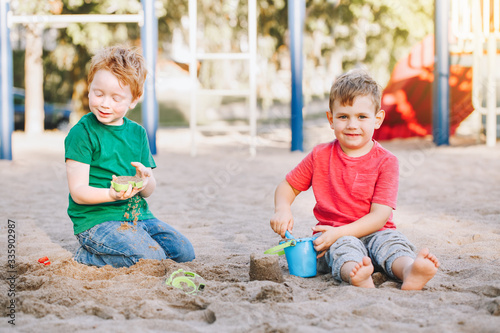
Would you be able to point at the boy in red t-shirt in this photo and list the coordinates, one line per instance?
(355, 183)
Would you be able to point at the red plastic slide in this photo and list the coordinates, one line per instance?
(407, 99)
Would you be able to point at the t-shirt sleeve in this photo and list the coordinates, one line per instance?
(77, 145)
(147, 158)
(386, 188)
(301, 176)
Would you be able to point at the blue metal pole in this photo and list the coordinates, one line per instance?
(6, 82)
(441, 87)
(149, 40)
(296, 15)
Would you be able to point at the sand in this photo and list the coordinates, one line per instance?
(222, 200)
(124, 180)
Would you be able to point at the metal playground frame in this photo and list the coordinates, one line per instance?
(476, 22)
(146, 19)
(476, 25)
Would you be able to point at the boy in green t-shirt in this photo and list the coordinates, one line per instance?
(115, 228)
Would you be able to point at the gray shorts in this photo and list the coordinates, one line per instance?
(383, 247)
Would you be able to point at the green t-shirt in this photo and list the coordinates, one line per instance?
(108, 150)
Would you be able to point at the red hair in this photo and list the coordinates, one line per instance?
(127, 64)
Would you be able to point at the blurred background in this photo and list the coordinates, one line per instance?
(338, 35)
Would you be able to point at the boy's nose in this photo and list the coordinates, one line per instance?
(352, 123)
(105, 102)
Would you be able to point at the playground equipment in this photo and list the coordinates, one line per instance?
(441, 88)
(470, 80)
(149, 35)
(408, 97)
(250, 93)
(476, 24)
(296, 18)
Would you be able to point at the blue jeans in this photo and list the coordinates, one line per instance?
(122, 244)
(383, 247)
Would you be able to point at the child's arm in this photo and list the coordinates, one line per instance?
(371, 222)
(282, 219)
(78, 183)
(83, 194)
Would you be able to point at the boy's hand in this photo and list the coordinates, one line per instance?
(141, 172)
(123, 195)
(327, 238)
(282, 221)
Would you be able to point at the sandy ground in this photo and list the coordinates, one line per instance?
(222, 200)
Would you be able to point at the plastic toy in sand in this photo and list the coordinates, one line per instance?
(121, 183)
(188, 282)
(300, 255)
(44, 260)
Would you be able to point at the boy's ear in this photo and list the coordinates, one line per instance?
(329, 115)
(379, 119)
(134, 103)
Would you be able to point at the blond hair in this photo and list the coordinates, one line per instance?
(352, 84)
(127, 64)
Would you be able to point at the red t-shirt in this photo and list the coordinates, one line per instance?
(344, 186)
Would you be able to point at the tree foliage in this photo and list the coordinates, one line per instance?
(338, 35)
(34, 103)
(379, 32)
(65, 65)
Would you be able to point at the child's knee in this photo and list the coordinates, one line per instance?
(151, 252)
(187, 254)
(183, 252)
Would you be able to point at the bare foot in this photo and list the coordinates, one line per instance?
(361, 274)
(421, 271)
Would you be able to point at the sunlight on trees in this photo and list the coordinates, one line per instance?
(338, 35)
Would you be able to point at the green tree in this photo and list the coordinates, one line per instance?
(78, 41)
(376, 33)
(33, 66)
(62, 74)
(338, 35)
